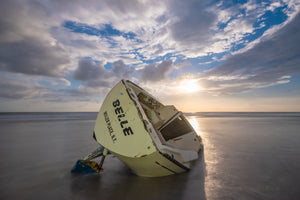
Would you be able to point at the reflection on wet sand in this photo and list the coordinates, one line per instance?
(195, 124)
(119, 183)
(246, 156)
(211, 155)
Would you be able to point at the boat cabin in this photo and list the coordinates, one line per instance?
(171, 126)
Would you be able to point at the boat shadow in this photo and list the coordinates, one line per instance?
(120, 183)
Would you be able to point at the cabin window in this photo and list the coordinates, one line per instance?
(175, 129)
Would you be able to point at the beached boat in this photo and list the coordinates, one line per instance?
(150, 138)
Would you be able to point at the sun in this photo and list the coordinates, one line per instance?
(189, 86)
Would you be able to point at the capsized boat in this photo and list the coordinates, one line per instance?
(150, 138)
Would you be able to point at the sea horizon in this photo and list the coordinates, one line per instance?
(186, 113)
(26, 116)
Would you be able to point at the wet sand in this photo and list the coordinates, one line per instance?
(246, 156)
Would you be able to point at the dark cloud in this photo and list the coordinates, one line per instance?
(156, 71)
(194, 22)
(24, 44)
(32, 56)
(11, 87)
(263, 65)
(89, 70)
(121, 70)
(182, 64)
(78, 94)
(14, 89)
(95, 74)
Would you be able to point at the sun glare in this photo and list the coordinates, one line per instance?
(189, 86)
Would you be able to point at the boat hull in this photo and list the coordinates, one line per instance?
(120, 127)
(153, 165)
(124, 128)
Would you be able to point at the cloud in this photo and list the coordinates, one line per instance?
(25, 45)
(82, 93)
(156, 72)
(193, 23)
(121, 70)
(182, 64)
(94, 74)
(89, 69)
(33, 56)
(15, 90)
(15, 87)
(268, 63)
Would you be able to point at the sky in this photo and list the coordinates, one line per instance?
(201, 56)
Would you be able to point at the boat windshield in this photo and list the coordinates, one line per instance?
(177, 127)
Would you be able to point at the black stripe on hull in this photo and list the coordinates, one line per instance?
(175, 161)
(165, 167)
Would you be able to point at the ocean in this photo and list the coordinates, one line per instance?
(246, 156)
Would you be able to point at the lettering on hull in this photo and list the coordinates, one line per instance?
(121, 117)
(109, 127)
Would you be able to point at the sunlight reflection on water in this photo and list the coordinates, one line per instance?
(194, 122)
(244, 156)
(211, 156)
